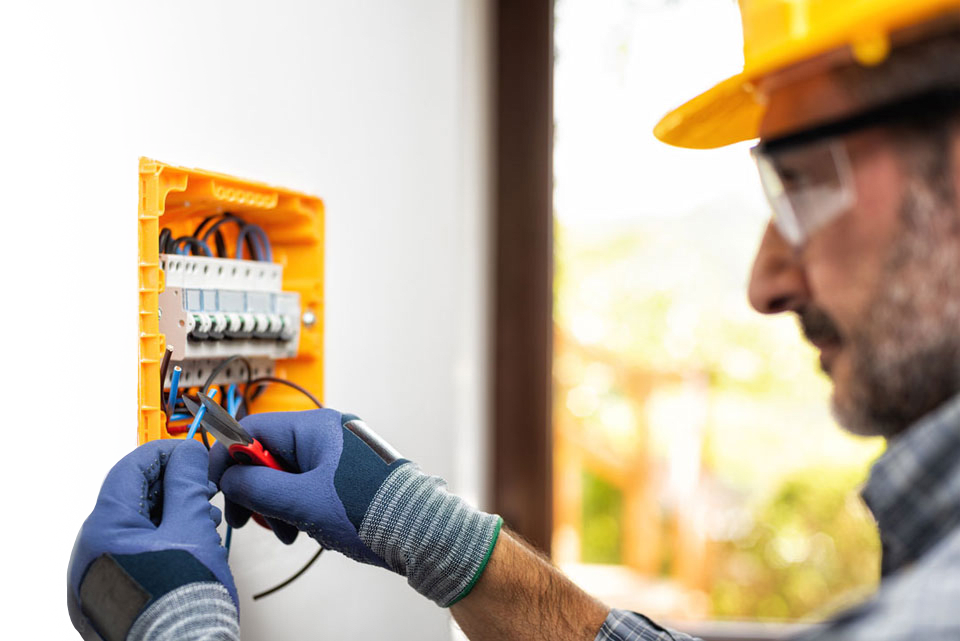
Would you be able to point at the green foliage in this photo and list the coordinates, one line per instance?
(602, 518)
(813, 547)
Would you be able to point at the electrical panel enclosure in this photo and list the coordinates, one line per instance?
(209, 308)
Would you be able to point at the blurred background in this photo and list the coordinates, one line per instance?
(526, 293)
(698, 472)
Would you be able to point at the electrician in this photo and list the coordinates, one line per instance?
(857, 108)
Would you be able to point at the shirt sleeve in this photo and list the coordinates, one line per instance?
(200, 611)
(622, 625)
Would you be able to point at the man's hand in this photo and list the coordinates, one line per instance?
(353, 493)
(152, 531)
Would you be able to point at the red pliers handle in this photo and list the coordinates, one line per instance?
(254, 454)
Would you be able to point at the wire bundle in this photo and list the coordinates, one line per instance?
(236, 402)
(249, 236)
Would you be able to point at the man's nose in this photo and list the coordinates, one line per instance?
(777, 282)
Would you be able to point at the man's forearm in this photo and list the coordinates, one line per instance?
(522, 596)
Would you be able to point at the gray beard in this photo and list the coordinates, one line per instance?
(906, 357)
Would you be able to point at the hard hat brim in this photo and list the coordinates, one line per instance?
(725, 114)
(733, 110)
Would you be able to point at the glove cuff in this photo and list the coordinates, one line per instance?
(434, 538)
(117, 588)
(193, 612)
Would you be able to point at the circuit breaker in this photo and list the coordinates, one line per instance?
(229, 269)
(213, 308)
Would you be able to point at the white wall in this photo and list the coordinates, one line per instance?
(379, 108)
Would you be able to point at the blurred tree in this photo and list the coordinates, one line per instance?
(602, 520)
(812, 549)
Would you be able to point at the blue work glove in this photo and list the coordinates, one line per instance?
(349, 490)
(153, 520)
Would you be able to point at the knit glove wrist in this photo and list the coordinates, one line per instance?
(434, 538)
(348, 489)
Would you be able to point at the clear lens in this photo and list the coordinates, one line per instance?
(807, 187)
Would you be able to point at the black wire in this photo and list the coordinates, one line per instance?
(221, 245)
(165, 236)
(218, 237)
(253, 388)
(293, 578)
(222, 366)
(194, 243)
(171, 248)
(242, 409)
(231, 218)
(169, 244)
(264, 380)
(203, 223)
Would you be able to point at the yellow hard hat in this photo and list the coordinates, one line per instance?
(778, 34)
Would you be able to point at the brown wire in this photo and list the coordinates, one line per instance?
(165, 364)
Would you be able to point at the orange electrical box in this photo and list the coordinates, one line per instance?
(179, 199)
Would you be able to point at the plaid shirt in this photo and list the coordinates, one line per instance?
(914, 493)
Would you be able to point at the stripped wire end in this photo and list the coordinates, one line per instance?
(199, 417)
(174, 389)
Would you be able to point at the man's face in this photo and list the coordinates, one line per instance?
(875, 290)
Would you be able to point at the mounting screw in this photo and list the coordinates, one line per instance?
(159, 312)
(309, 318)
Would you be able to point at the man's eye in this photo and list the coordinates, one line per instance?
(794, 178)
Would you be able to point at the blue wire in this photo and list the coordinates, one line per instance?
(179, 417)
(206, 248)
(264, 242)
(232, 400)
(183, 243)
(229, 537)
(199, 417)
(260, 243)
(174, 387)
(240, 237)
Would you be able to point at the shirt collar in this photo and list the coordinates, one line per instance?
(914, 488)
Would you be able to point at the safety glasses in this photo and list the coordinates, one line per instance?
(808, 177)
(807, 187)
